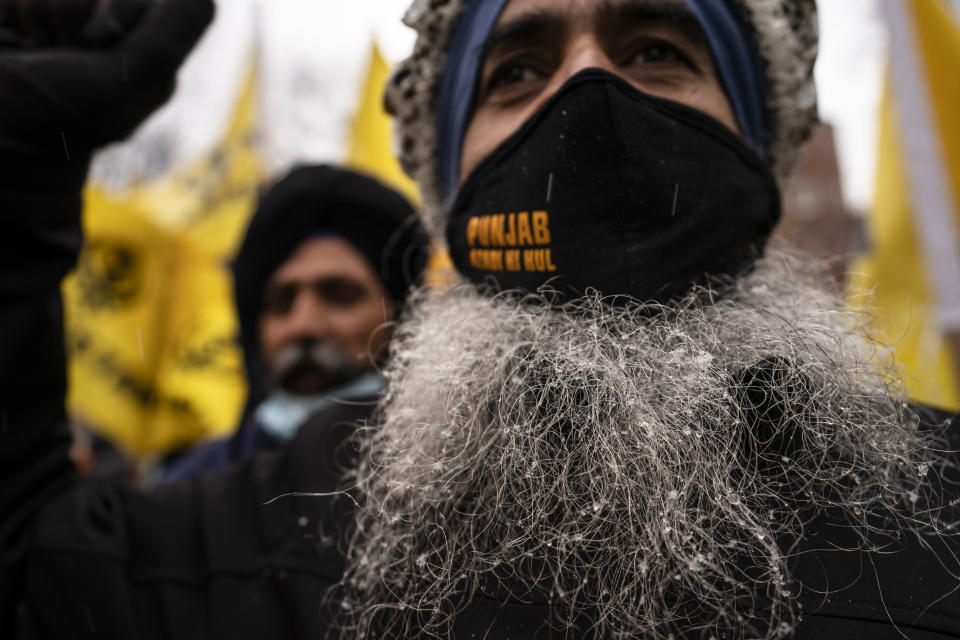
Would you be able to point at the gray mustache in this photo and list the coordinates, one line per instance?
(322, 357)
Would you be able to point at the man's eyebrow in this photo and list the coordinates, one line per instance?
(615, 14)
(533, 25)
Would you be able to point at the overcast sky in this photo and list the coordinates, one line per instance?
(314, 53)
(849, 82)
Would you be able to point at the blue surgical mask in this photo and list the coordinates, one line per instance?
(281, 414)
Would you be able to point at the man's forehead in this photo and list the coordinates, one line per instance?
(321, 255)
(534, 19)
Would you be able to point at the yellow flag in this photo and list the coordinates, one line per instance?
(898, 278)
(113, 303)
(151, 323)
(370, 148)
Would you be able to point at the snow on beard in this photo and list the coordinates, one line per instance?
(646, 468)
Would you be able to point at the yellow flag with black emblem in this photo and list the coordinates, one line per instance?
(112, 306)
(154, 363)
(910, 277)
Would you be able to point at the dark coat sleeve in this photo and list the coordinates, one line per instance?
(39, 241)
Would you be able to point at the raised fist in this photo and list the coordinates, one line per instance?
(78, 74)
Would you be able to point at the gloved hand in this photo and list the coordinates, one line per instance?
(59, 103)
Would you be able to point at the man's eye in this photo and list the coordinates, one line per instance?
(340, 292)
(279, 300)
(657, 52)
(512, 78)
(510, 74)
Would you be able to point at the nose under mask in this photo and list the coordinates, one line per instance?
(608, 188)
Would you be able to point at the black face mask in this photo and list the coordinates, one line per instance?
(608, 188)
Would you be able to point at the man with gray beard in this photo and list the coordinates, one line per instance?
(628, 421)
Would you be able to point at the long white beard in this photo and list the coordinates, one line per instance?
(642, 466)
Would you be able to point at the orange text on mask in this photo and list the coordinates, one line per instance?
(503, 232)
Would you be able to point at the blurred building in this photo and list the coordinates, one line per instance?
(815, 219)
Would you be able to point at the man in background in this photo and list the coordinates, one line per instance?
(325, 266)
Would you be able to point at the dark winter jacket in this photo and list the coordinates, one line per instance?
(219, 454)
(235, 555)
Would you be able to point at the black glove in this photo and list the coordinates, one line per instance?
(58, 104)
